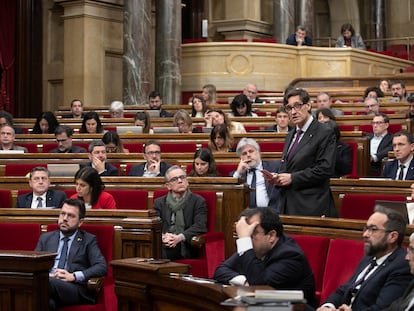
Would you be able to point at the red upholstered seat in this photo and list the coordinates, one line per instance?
(137, 148)
(392, 128)
(178, 147)
(20, 169)
(19, 236)
(225, 169)
(250, 128)
(315, 249)
(264, 40)
(212, 253)
(5, 199)
(106, 300)
(341, 261)
(130, 199)
(271, 146)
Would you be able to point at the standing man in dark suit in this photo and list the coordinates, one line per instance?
(262, 193)
(308, 162)
(183, 215)
(78, 258)
(266, 256)
(153, 167)
(41, 196)
(380, 142)
(299, 38)
(98, 157)
(383, 274)
(402, 167)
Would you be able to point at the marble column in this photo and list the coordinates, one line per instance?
(283, 19)
(168, 51)
(305, 15)
(379, 22)
(137, 67)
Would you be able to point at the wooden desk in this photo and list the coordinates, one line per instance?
(24, 280)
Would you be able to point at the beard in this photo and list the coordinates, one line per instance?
(374, 249)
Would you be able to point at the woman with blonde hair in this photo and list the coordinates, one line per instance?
(209, 94)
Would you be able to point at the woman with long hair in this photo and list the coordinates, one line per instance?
(204, 164)
(209, 94)
(90, 189)
(142, 118)
(241, 106)
(198, 107)
(219, 117)
(113, 143)
(91, 123)
(349, 38)
(46, 123)
(221, 139)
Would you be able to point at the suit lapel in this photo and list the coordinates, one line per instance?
(29, 200)
(307, 136)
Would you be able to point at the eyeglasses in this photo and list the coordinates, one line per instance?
(374, 229)
(176, 178)
(296, 105)
(410, 250)
(153, 153)
(377, 122)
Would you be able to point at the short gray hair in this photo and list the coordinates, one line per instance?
(246, 141)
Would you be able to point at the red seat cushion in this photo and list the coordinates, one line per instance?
(130, 199)
(19, 236)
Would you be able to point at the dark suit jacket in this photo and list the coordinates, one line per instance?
(53, 199)
(284, 267)
(381, 288)
(195, 218)
(391, 167)
(291, 40)
(272, 191)
(343, 164)
(311, 167)
(84, 255)
(382, 152)
(73, 149)
(138, 170)
(402, 302)
(110, 170)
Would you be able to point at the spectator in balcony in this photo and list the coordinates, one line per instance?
(63, 134)
(40, 196)
(282, 121)
(209, 94)
(241, 106)
(91, 123)
(384, 86)
(217, 117)
(198, 107)
(204, 164)
(142, 118)
(398, 90)
(182, 120)
(373, 91)
(371, 105)
(116, 110)
(98, 156)
(46, 123)
(221, 139)
(155, 103)
(250, 90)
(153, 167)
(323, 100)
(76, 108)
(349, 38)
(402, 167)
(299, 38)
(90, 190)
(7, 137)
(113, 143)
(183, 215)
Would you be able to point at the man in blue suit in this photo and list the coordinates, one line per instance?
(383, 274)
(402, 168)
(263, 194)
(78, 258)
(41, 196)
(97, 155)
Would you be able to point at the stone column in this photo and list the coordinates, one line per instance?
(305, 15)
(283, 19)
(137, 67)
(379, 23)
(168, 51)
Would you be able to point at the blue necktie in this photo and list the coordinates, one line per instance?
(63, 254)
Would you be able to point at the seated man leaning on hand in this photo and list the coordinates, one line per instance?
(266, 256)
(97, 155)
(183, 215)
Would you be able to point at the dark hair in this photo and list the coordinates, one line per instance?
(154, 94)
(205, 155)
(269, 219)
(398, 82)
(227, 120)
(92, 115)
(7, 116)
(375, 89)
(304, 96)
(240, 101)
(300, 27)
(281, 109)
(395, 222)
(78, 204)
(406, 134)
(222, 131)
(144, 116)
(113, 137)
(148, 143)
(383, 115)
(332, 124)
(75, 100)
(64, 129)
(51, 121)
(410, 98)
(203, 103)
(326, 112)
(346, 27)
(39, 169)
(91, 177)
(95, 143)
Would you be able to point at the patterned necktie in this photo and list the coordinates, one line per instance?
(353, 290)
(63, 254)
(39, 202)
(292, 149)
(253, 188)
(401, 174)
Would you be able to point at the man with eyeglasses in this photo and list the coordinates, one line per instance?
(153, 167)
(383, 274)
(250, 90)
(402, 167)
(371, 105)
(78, 258)
(380, 142)
(98, 156)
(308, 162)
(266, 256)
(63, 134)
(183, 215)
(40, 196)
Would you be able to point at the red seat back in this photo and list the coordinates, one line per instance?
(130, 199)
(5, 199)
(271, 146)
(19, 236)
(225, 169)
(20, 169)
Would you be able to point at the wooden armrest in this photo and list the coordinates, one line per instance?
(95, 284)
(198, 241)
